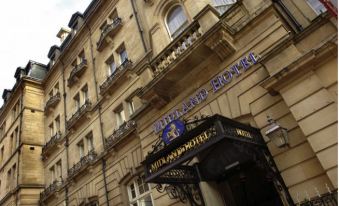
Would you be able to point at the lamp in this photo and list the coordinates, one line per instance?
(276, 133)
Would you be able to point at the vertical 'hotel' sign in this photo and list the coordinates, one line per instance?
(217, 83)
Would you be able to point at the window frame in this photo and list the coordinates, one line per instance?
(314, 8)
(138, 196)
(183, 26)
(109, 62)
(119, 118)
(81, 149)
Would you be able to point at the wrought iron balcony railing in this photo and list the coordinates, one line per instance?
(76, 72)
(55, 139)
(109, 30)
(177, 48)
(104, 87)
(125, 129)
(53, 101)
(86, 107)
(51, 189)
(328, 199)
(83, 164)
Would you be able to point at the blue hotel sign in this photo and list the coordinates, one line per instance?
(217, 83)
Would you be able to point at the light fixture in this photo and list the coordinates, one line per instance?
(276, 133)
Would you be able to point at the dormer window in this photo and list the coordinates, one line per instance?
(176, 21)
(52, 61)
(75, 28)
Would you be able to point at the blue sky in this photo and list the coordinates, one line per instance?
(28, 30)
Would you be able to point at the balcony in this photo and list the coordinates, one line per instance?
(51, 144)
(51, 190)
(76, 72)
(108, 32)
(84, 163)
(52, 102)
(328, 199)
(124, 130)
(79, 114)
(118, 76)
(204, 37)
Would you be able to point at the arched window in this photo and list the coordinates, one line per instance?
(176, 21)
(223, 5)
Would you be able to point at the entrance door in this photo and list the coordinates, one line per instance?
(248, 187)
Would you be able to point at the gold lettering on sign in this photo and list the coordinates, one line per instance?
(243, 133)
(180, 151)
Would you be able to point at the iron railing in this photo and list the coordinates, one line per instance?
(108, 29)
(78, 114)
(328, 199)
(76, 72)
(51, 143)
(84, 162)
(53, 100)
(51, 189)
(119, 133)
(115, 75)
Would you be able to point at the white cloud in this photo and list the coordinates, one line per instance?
(28, 30)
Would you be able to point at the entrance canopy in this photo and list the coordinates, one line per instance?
(219, 142)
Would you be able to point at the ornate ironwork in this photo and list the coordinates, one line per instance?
(86, 107)
(180, 174)
(51, 189)
(125, 129)
(84, 163)
(184, 192)
(52, 101)
(127, 64)
(108, 30)
(77, 72)
(328, 199)
(190, 124)
(55, 139)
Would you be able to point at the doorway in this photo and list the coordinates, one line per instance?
(248, 186)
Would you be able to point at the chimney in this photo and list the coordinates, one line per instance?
(63, 33)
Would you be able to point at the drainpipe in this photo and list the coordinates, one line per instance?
(289, 15)
(105, 180)
(99, 109)
(135, 13)
(65, 120)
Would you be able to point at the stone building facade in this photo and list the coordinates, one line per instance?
(78, 130)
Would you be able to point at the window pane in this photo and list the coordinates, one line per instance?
(132, 190)
(146, 201)
(131, 107)
(141, 187)
(112, 67)
(223, 5)
(123, 55)
(317, 6)
(175, 20)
